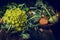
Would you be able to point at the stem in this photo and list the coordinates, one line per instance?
(46, 10)
(53, 11)
(34, 17)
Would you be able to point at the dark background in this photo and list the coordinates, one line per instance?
(54, 3)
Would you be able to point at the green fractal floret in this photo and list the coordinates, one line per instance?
(15, 17)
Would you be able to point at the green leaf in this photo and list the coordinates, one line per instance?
(25, 36)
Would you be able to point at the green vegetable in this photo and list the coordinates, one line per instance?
(25, 36)
(53, 19)
(15, 17)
